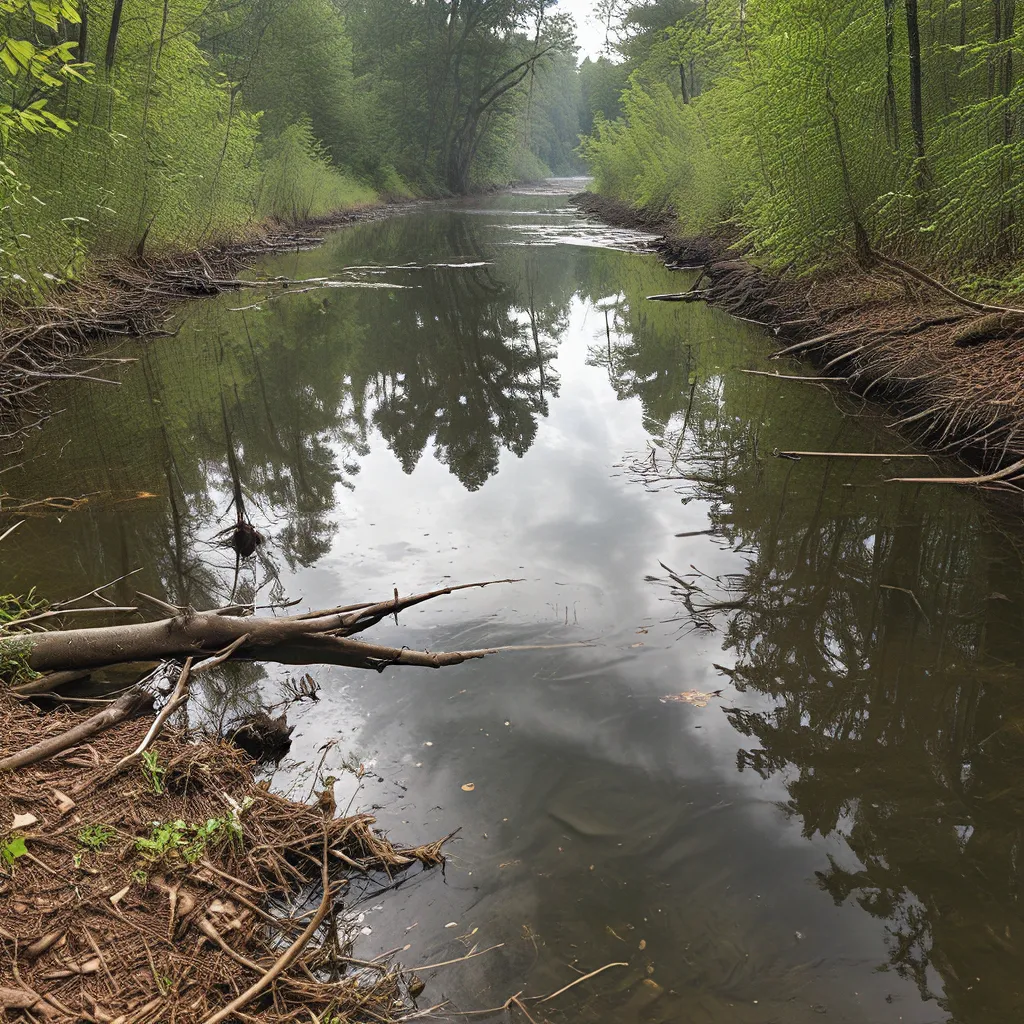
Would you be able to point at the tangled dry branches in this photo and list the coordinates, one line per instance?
(165, 895)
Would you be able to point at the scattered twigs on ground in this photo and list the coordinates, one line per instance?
(288, 957)
(920, 275)
(135, 902)
(127, 706)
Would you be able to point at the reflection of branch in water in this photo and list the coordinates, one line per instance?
(243, 537)
(702, 616)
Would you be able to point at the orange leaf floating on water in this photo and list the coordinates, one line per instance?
(697, 698)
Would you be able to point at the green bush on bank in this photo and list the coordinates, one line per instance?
(799, 127)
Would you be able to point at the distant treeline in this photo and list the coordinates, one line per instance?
(822, 130)
(135, 126)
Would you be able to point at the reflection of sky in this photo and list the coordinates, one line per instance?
(617, 818)
(600, 817)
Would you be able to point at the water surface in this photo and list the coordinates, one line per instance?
(484, 393)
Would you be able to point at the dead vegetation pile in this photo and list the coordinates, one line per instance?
(951, 366)
(174, 888)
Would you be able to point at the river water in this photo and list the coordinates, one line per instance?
(830, 827)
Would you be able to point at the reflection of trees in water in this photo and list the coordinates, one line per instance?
(882, 630)
(459, 357)
(465, 364)
(876, 640)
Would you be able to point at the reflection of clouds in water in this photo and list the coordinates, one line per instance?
(488, 413)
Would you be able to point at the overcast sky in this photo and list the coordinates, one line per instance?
(589, 34)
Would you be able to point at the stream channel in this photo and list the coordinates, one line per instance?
(830, 828)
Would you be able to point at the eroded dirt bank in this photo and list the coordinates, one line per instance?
(951, 370)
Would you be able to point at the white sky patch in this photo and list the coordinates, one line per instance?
(589, 29)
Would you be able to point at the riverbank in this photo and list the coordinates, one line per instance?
(132, 297)
(950, 369)
(154, 889)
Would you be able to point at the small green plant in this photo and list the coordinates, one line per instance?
(153, 772)
(177, 840)
(167, 839)
(14, 607)
(13, 849)
(14, 654)
(95, 837)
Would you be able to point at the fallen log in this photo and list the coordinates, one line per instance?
(316, 637)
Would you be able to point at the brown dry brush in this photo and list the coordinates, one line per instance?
(951, 366)
(101, 920)
(143, 877)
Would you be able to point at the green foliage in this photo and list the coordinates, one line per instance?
(208, 117)
(93, 838)
(14, 607)
(179, 841)
(12, 849)
(299, 181)
(153, 772)
(458, 86)
(602, 84)
(15, 652)
(96, 837)
(793, 119)
(29, 68)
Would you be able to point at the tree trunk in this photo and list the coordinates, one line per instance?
(1007, 213)
(115, 27)
(997, 36)
(916, 105)
(682, 81)
(320, 637)
(860, 236)
(83, 31)
(892, 126)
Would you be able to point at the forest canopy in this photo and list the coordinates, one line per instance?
(132, 127)
(819, 130)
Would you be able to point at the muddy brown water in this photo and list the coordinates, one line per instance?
(833, 831)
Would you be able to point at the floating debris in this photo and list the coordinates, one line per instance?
(697, 698)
